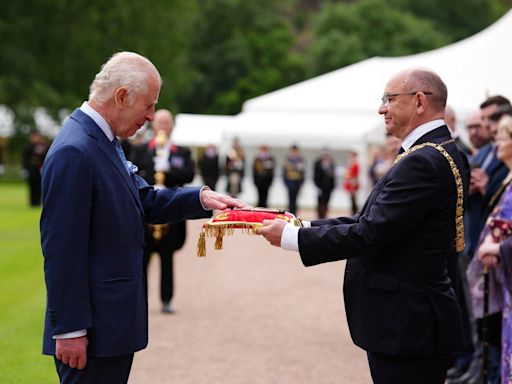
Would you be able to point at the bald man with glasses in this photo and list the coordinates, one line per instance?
(401, 248)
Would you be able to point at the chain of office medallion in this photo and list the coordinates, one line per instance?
(459, 212)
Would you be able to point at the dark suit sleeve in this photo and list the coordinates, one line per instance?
(336, 221)
(407, 196)
(65, 220)
(170, 205)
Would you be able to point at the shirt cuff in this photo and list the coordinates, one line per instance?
(71, 335)
(201, 201)
(290, 238)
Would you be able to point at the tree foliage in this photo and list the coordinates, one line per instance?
(212, 54)
(238, 50)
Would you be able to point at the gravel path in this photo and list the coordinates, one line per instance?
(249, 314)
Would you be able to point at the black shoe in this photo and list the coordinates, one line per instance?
(167, 308)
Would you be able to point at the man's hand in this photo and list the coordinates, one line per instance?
(272, 230)
(214, 200)
(479, 180)
(72, 352)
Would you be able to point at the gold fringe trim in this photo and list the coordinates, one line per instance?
(201, 245)
(218, 242)
(219, 231)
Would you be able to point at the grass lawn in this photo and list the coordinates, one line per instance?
(22, 288)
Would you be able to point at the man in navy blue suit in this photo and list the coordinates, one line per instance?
(92, 227)
(401, 248)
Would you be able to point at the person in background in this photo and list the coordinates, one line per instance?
(235, 169)
(165, 165)
(208, 165)
(486, 180)
(351, 182)
(324, 177)
(92, 227)
(33, 159)
(294, 169)
(479, 136)
(385, 158)
(451, 122)
(495, 252)
(400, 301)
(263, 173)
(466, 365)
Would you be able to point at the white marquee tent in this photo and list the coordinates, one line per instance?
(339, 109)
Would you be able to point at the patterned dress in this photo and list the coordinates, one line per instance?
(500, 283)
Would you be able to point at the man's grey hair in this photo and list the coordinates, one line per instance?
(427, 81)
(123, 69)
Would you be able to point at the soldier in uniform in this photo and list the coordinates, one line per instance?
(263, 173)
(324, 177)
(293, 175)
(235, 169)
(208, 165)
(165, 165)
(33, 158)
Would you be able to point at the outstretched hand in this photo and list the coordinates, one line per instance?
(215, 200)
(272, 231)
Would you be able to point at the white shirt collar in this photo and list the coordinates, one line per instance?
(417, 132)
(98, 119)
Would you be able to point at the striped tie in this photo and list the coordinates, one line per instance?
(120, 153)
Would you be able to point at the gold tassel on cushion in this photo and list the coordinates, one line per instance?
(218, 241)
(220, 231)
(247, 220)
(201, 245)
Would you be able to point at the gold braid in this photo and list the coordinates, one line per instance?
(459, 211)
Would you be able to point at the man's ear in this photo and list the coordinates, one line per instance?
(120, 97)
(421, 100)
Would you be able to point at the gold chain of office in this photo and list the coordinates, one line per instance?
(459, 211)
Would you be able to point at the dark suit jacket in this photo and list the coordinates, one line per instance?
(92, 236)
(399, 298)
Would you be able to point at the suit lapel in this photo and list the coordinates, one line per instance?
(108, 149)
(105, 146)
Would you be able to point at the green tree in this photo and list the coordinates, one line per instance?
(51, 50)
(239, 50)
(347, 33)
(456, 19)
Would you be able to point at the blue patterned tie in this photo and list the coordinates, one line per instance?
(120, 153)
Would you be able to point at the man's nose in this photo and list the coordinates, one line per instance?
(382, 109)
(151, 115)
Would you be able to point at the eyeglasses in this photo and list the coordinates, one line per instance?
(385, 98)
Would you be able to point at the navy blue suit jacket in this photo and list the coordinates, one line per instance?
(399, 297)
(92, 236)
